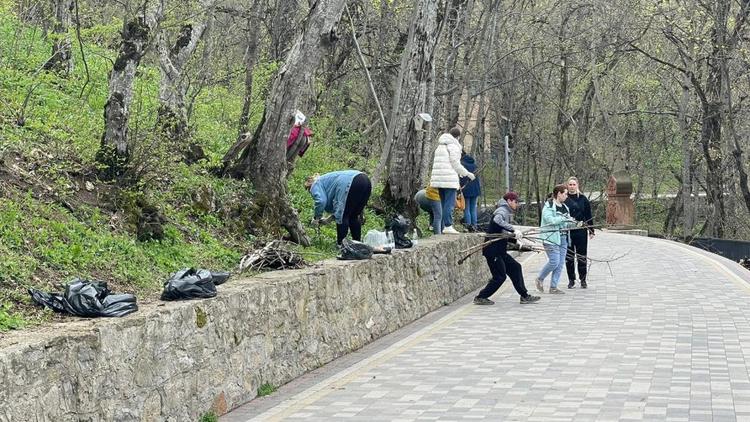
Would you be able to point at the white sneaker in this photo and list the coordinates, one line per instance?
(450, 230)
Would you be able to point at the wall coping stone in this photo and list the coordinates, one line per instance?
(177, 360)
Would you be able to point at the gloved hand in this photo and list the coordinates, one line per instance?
(471, 176)
(579, 224)
(518, 234)
(315, 222)
(326, 220)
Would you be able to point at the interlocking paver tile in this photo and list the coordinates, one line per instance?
(655, 339)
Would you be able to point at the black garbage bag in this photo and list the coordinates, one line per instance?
(191, 283)
(353, 250)
(400, 226)
(86, 299)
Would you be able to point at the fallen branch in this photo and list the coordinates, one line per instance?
(273, 256)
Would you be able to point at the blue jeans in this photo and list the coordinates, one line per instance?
(556, 260)
(435, 211)
(448, 201)
(470, 212)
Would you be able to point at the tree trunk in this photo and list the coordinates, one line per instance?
(283, 26)
(405, 158)
(688, 220)
(457, 30)
(114, 151)
(251, 55)
(62, 53)
(263, 159)
(172, 115)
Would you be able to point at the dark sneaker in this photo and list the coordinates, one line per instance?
(556, 291)
(529, 299)
(583, 284)
(483, 301)
(571, 284)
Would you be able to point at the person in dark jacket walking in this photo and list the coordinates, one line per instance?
(501, 264)
(471, 189)
(580, 210)
(343, 194)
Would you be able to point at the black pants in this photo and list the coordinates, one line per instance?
(577, 245)
(359, 194)
(500, 266)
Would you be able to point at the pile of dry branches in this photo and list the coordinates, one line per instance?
(275, 255)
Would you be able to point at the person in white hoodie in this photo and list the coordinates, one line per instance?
(446, 170)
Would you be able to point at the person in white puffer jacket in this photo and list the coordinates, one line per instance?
(446, 170)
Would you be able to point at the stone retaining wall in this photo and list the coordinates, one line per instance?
(175, 361)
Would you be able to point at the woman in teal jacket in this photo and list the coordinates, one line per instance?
(555, 217)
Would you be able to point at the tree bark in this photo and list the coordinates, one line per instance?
(251, 55)
(283, 27)
(405, 158)
(263, 159)
(114, 151)
(62, 51)
(172, 115)
(688, 220)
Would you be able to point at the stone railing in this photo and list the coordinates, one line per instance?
(175, 361)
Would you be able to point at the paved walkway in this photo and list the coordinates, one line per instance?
(664, 336)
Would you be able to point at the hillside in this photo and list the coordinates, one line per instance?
(59, 221)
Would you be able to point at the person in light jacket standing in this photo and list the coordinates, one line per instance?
(556, 220)
(446, 170)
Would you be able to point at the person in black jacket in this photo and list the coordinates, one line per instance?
(580, 210)
(501, 264)
(471, 189)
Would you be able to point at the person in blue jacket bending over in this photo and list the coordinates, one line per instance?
(344, 194)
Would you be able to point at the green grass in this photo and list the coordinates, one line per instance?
(266, 389)
(10, 320)
(208, 417)
(50, 156)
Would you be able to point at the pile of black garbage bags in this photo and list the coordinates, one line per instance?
(86, 299)
(92, 299)
(191, 283)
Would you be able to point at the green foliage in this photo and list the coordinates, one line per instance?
(266, 389)
(45, 241)
(209, 417)
(9, 320)
(42, 238)
(323, 156)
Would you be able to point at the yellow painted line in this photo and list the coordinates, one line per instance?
(337, 381)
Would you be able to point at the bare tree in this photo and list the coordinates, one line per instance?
(62, 52)
(172, 115)
(404, 160)
(114, 151)
(263, 160)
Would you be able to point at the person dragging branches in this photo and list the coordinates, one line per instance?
(344, 194)
(501, 264)
(580, 210)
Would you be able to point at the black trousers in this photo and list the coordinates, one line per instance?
(501, 266)
(577, 248)
(359, 194)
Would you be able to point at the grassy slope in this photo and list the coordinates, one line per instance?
(43, 244)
